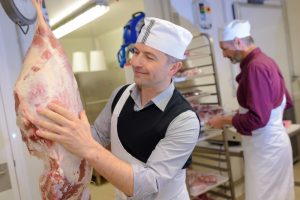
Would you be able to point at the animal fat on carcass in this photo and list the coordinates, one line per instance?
(47, 76)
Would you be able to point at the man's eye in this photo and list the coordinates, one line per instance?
(149, 57)
(134, 51)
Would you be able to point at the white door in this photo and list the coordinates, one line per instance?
(8, 182)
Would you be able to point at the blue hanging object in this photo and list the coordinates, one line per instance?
(131, 31)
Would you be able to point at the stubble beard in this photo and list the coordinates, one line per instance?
(237, 58)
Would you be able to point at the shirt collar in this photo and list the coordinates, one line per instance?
(160, 100)
(249, 57)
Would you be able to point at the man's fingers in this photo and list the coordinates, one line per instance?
(57, 118)
(83, 117)
(62, 111)
(48, 135)
(49, 126)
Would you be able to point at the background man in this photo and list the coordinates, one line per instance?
(262, 97)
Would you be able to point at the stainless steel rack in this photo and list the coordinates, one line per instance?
(199, 77)
(200, 58)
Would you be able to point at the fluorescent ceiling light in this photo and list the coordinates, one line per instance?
(68, 11)
(78, 19)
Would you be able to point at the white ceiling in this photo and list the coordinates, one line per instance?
(120, 12)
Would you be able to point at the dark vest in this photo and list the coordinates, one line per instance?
(140, 131)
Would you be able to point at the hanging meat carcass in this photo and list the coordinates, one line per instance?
(47, 76)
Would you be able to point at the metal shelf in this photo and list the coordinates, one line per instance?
(217, 160)
(200, 55)
(203, 188)
(185, 78)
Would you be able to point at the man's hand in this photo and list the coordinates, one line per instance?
(75, 135)
(220, 121)
(66, 128)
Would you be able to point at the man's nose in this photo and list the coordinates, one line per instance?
(137, 60)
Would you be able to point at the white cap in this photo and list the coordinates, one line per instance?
(165, 36)
(236, 29)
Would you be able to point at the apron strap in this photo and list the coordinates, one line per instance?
(122, 100)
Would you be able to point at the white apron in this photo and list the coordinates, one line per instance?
(268, 160)
(175, 190)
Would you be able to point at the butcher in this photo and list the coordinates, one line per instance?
(151, 128)
(262, 97)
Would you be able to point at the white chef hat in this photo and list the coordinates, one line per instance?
(165, 36)
(236, 29)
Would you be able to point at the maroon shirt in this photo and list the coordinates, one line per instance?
(261, 89)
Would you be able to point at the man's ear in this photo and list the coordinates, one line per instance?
(237, 43)
(175, 68)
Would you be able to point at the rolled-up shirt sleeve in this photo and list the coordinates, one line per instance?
(168, 157)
